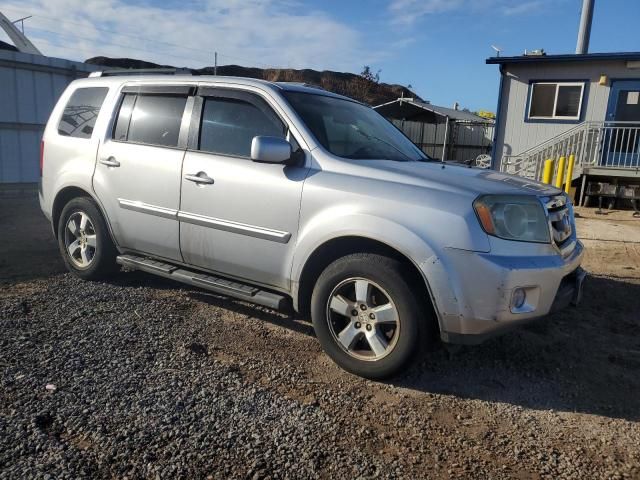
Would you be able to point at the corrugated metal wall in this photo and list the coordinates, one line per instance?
(466, 140)
(29, 88)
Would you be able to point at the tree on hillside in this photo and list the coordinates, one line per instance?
(362, 85)
(367, 74)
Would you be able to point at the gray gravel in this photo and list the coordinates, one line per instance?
(138, 394)
(152, 381)
(140, 378)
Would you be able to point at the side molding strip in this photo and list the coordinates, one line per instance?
(146, 208)
(203, 221)
(234, 227)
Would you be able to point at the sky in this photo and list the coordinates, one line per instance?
(436, 46)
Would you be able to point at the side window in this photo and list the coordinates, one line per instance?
(150, 119)
(229, 125)
(124, 117)
(80, 114)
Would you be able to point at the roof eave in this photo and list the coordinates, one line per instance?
(435, 111)
(587, 57)
(411, 102)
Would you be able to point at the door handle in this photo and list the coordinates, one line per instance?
(200, 178)
(110, 162)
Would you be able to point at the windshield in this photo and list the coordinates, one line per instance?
(350, 130)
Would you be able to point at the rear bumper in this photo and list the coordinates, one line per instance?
(46, 212)
(480, 305)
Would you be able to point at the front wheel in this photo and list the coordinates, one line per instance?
(84, 240)
(365, 315)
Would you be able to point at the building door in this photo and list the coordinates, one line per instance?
(622, 130)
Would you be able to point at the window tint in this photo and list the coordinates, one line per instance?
(155, 120)
(556, 100)
(124, 117)
(80, 114)
(229, 125)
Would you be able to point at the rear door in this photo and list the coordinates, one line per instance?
(137, 176)
(238, 217)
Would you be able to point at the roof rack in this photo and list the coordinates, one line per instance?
(140, 71)
(303, 84)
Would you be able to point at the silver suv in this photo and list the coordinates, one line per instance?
(289, 196)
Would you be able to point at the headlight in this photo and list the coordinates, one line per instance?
(513, 217)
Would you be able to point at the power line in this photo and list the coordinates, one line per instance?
(233, 57)
(61, 47)
(128, 47)
(138, 37)
(74, 49)
(84, 25)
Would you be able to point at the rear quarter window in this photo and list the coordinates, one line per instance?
(80, 113)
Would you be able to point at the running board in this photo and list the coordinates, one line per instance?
(213, 283)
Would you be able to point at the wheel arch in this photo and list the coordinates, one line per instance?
(329, 251)
(67, 194)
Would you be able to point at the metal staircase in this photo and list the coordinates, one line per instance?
(606, 144)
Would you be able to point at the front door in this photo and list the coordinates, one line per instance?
(238, 217)
(137, 177)
(622, 130)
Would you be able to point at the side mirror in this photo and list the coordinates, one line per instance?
(270, 149)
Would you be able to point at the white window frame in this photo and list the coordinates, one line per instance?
(555, 100)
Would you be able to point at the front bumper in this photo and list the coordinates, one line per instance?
(479, 304)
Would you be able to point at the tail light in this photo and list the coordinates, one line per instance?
(41, 156)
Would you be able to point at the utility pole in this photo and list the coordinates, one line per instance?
(584, 34)
(215, 63)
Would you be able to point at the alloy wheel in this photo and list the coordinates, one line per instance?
(80, 239)
(363, 319)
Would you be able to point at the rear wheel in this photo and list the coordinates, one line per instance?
(84, 240)
(365, 316)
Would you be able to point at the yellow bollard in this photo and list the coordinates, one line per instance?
(560, 175)
(572, 160)
(547, 173)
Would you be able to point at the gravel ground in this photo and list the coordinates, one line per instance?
(143, 378)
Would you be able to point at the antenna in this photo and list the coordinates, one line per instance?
(22, 43)
(21, 20)
(497, 49)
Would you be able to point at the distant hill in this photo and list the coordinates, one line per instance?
(349, 84)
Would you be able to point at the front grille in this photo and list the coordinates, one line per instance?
(561, 222)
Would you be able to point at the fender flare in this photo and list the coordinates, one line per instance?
(396, 236)
(92, 196)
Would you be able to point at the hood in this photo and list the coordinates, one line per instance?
(455, 177)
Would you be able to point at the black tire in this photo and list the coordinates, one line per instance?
(103, 252)
(390, 279)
